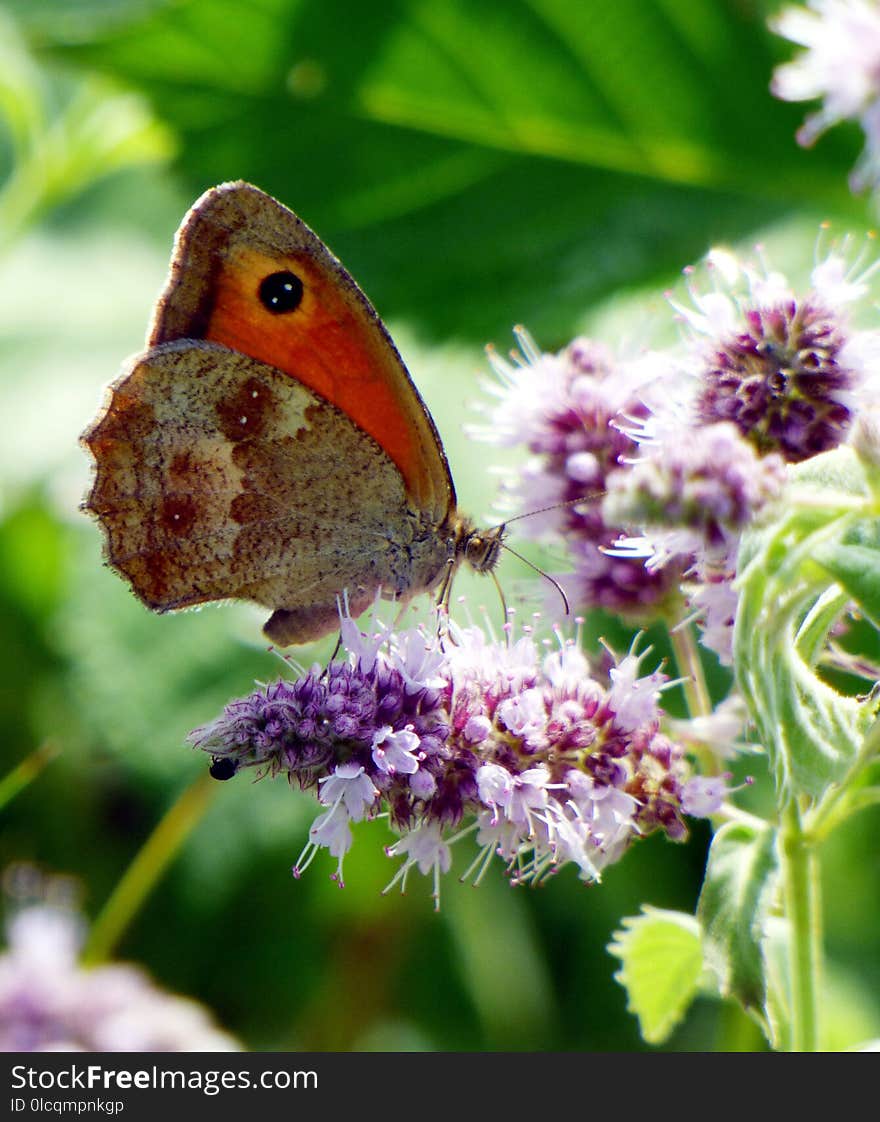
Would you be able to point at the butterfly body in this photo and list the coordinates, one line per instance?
(269, 445)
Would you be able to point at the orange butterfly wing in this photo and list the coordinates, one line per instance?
(233, 238)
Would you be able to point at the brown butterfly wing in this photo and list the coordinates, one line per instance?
(218, 477)
(333, 342)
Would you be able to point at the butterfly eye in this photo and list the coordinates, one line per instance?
(281, 292)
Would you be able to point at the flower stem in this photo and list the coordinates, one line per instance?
(687, 656)
(157, 853)
(696, 692)
(800, 870)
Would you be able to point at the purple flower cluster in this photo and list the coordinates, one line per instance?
(363, 716)
(673, 455)
(48, 1003)
(571, 411)
(528, 750)
(789, 370)
(782, 378)
(694, 499)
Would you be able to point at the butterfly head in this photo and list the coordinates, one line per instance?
(479, 549)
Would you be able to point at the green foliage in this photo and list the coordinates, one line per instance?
(477, 165)
(741, 878)
(812, 733)
(662, 958)
(63, 138)
(856, 570)
(776, 952)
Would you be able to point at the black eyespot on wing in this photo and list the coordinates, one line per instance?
(222, 768)
(281, 292)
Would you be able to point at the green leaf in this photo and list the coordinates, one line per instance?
(741, 877)
(857, 569)
(845, 476)
(776, 951)
(477, 165)
(662, 962)
(789, 600)
(65, 142)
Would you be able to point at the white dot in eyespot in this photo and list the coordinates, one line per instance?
(242, 420)
(255, 393)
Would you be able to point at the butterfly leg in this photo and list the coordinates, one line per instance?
(337, 648)
(444, 595)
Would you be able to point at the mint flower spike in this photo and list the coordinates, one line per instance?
(653, 467)
(693, 497)
(511, 741)
(841, 65)
(570, 411)
(764, 376)
(788, 370)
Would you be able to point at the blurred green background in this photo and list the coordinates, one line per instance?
(476, 164)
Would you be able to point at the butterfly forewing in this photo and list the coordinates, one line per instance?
(235, 239)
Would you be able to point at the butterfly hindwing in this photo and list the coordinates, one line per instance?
(219, 477)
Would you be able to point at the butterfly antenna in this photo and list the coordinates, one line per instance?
(540, 572)
(553, 506)
(535, 568)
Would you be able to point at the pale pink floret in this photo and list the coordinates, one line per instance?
(840, 63)
(351, 787)
(396, 751)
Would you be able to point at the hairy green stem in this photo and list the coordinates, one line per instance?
(160, 848)
(800, 872)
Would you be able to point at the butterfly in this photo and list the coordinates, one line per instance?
(269, 444)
